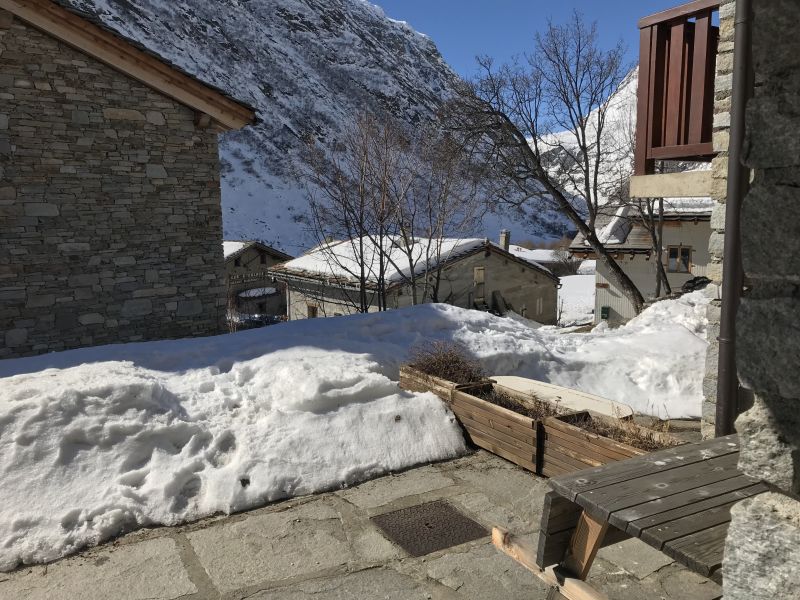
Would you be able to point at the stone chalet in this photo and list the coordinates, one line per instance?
(470, 273)
(111, 225)
(250, 287)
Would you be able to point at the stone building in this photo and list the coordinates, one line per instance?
(250, 288)
(762, 552)
(111, 224)
(470, 273)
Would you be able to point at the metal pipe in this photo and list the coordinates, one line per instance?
(738, 183)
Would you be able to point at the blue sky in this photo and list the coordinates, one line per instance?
(463, 29)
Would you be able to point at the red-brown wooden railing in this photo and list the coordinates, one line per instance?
(677, 62)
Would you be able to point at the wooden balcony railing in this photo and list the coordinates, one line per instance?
(677, 65)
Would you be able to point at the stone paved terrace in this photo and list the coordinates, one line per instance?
(325, 547)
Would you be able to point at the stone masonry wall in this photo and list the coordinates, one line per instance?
(762, 553)
(110, 217)
(719, 171)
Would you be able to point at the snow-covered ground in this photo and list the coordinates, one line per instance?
(576, 296)
(97, 441)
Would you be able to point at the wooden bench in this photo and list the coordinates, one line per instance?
(677, 501)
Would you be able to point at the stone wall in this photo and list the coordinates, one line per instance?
(111, 226)
(762, 554)
(719, 172)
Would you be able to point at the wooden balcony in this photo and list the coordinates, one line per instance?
(677, 65)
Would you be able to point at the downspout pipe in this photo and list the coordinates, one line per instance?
(738, 183)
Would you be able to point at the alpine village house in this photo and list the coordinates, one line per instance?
(470, 273)
(253, 296)
(109, 187)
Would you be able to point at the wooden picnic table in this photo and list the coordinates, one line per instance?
(677, 501)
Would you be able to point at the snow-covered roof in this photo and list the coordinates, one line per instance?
(339, 260)
(230, 248)
(536, 256)
(623, 230)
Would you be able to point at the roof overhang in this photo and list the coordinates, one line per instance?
(690, 184)
(121, 55)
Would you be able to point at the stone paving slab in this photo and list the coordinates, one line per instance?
(326, 547)
(148, 569)
(273, 547)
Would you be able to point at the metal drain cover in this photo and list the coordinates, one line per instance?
(429, 527)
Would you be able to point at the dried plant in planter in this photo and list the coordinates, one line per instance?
(447, 360)
(626, 432)
(531, 408)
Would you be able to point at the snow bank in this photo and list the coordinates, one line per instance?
(97, 441)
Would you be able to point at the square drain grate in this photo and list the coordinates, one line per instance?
(426, 528)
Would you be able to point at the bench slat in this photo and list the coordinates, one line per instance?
(570, 486)
(691, 502)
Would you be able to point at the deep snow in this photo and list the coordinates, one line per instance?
(96, 441)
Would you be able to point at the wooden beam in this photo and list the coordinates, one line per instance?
(586, 541)
(569, 587)
(117, 53)
(694, 184)
(679, 12)
(644, 103)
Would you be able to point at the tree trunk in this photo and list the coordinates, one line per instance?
(662, 273)
(623, 281)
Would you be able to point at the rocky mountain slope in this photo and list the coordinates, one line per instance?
(309, 67)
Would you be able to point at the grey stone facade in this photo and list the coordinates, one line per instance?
(723, 86)
(110, 203)
(762, 553)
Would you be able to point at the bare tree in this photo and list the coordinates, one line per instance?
(389, 196)
(541, 123)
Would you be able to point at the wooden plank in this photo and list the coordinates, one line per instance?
(522, 552)
(550, 469)
(682, 151)
(552, 546)
(498, 431)
(661, 534)
(604, 501)
(500, 412)
(679, 12)
(495, 448)
(700, 57)
(489, 436)
(556, 505)
(579, 440)
(561, 427)
(674, 106)
(570, 486)
(126, 58)
(554, 461)
(687, 503)
(583, 545)
(512, 428)
(578, 460)
(702, 551)
(643, 165)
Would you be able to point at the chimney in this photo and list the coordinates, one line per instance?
(505, 239)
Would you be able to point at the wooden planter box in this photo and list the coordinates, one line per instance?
(567, 448)
(550, 447)
(499, 430)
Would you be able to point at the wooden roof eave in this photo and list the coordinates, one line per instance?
(123, 56)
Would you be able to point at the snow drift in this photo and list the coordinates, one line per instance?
(97, 441)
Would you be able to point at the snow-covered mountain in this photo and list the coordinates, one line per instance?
(309, 67)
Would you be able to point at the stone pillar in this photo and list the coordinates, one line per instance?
(762, 553)
(719, 177)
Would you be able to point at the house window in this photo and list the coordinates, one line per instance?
(262, 307)
(313, 312)
(679, 259)
(237, 262)
(263, 258)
